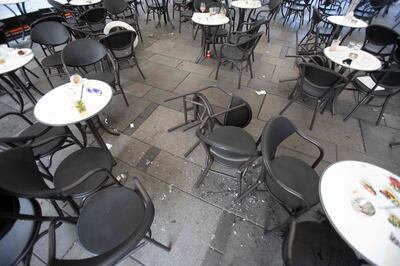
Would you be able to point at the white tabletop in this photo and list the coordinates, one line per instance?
(84, 2)
(57, 108)
(10, 2)
(345, 22)
(364, 62)
(15, 61)
(207, 20)
(249, 4)
(121, 24)
(372, 236)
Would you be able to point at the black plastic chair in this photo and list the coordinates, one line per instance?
(109, 231)
(121, 45)
(318, 83)
(159, 8)
(79, 175)
(17, 237)
(185, 11)
(51, 36)
(94, 19)
(267, 15)
(315, 243)
(120, 10)
(292, 182)
(238, 54)
(380, 84)
(46, 140)
(229, 144)
(82, 54)
(380, 41)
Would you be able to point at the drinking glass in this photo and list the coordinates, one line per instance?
(202, 7)
(335, 43)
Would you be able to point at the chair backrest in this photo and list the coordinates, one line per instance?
(95, 15)
(56, 18)
(83, 52)
(115, 6)
(203, 108)
(255, 26)
(50, 33)
(388, 78)
(117, 26)
(196, 4)
(120, 40)
(20, 175)
(247, 43)
(320, 77)
(275, 131)
(380, 35)
(240, 117)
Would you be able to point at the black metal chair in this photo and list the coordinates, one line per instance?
(65, 11)
(185, 11)
(51, 36)
(107, 229)
(383, 83)
(121, 45)
(316, 243)
(297, 8)
(46, 140)
(120, 10)
(159, 8)
(380, 41)
(266, 15)
(318, 83)
(292, 182)
(329, 7)
(238, 54)
(17, 236)
(368, 10)
(93, 19)
(79, 175)
(229, 144)
(82, 54)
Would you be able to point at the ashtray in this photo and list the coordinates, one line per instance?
(353, 55)
(363, 206)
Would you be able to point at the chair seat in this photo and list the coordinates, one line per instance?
(36, 129)
(232, 53)
(366, 83)
(235, 138)
(294, 173)
(77, 165)
(53, 60)
(108, 218)
(15, 243)
(319, 244)
(312, 91)
(106, 77)
(218, 31)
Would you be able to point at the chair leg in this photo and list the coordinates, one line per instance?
(382, 111)
(123, 94)
(251, 68)
(288, 105)
(157, 244)
(314, 114)
(356, 107)
(140, 70)
(191, 149)
(240, 76)
(204, 173)
(147, 16)
(216, 73)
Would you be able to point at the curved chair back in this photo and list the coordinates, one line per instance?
(202, 109)
(50, 33)
(381, 36)
(274, 133)
(388, 78)
(55, 18)
(115, 6)
(117, 25)
(83, 52)
(94, 17)
(247, 43)
(20, 174)
(240, 117)
(120, 40)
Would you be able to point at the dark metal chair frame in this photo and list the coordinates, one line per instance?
(267, 14)
(159, 7)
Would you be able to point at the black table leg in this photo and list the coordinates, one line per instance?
(20, 85)
(241, 19)
(98, 138)
(203, 44)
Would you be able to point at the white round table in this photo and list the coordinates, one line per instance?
(364, 62)
(84, 2)
(121, 24)
(372, 236)
(14, 62)
(205, 20)
(57, 107)
(243, 6)
(350, 23)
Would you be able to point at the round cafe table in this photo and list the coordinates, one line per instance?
(57, 107)
(244, 5)
(347, 190)
(84, 2)
(205, 21)
(14, 62)
(342, 21)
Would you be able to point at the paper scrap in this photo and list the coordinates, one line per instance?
(261, 92)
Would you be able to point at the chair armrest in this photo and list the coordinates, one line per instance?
(316, 144)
